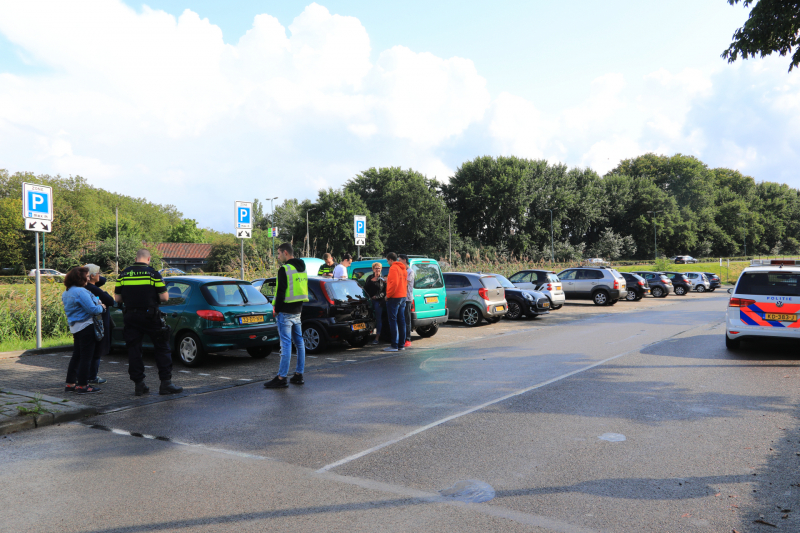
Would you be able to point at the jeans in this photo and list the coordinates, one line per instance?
(397, 320)
(82, 354)
(290, 330)
(408, 320)
(377, 305)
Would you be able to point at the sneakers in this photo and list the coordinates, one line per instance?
(407, 344)
(140, 388)
(98, 379)
(297, 379)
(390, 349)
(168, 388)
(69, 388)
(375, 341)
(277, 383)
(88, 389)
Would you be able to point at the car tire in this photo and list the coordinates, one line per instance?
(514, 310)
(314, 338)
(428, 331)
(471, 316)
(259, 352)
(658, 292)
(680, 291)
(190, 350)
(732, 344)
(631, 296)
(712, 290)
(639, 298)
(601, 298)
(613, 302)
(701, 288)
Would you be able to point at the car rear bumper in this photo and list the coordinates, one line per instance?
(428, 321)
(490, 310)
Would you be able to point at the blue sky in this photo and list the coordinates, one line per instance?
(248, 99)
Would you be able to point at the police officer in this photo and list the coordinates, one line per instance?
(326, 270)
(141, 289)
(291, 290)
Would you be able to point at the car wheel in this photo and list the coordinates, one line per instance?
(712, 290)
(471, 316)
(639, 298)
(600, 298)
(658, 292)
(190, 350)
(701, 288)
(313, 338)
(680, 291)
(359, 342)
(428, 331)
(613, 302)
(732, 344)
(259, 352)
(631, 296)
(514, 310)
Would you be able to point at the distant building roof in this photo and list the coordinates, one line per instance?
(179, 250)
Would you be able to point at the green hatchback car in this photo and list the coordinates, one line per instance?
(429, 308)
(211, 314)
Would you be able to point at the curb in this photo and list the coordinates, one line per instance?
(72, 411)
(35, 351)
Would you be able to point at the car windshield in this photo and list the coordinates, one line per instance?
(427, 276)
(616, 274)
(504, 282)
(345, 291)
(490, 282)
(769, 283)
(232, 293)
(552, 278)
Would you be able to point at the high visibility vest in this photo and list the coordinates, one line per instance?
(296, 285)
(326, 269)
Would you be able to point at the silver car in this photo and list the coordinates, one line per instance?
(699, 281)
(544, 281)
(472, 297)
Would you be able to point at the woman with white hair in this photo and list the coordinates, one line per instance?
(103, 346)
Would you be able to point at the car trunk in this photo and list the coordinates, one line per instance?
(349, 302)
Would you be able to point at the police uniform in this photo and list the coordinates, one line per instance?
(140, 286)
(326, 269)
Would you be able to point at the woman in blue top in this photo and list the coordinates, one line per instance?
(80, 307)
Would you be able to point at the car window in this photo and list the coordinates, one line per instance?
(178, 293)
(455, 282)
(504, 282)
(345, 291)
(567, 274)
(361, 275)
(552, 278)
(268, 288)
(521, 277)
(232, 293)
(769, 283)
(427, 276)
(490, 282)
(616, 274)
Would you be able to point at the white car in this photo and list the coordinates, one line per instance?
(765, 302)
(46, 272)
(698, 280)
(543, 281)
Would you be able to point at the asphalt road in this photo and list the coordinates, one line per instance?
(617, 421)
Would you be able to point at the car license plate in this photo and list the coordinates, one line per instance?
(546, 305)
(431, 299)
(357, 327)
(500, 308)
(255, 319)
(647, 291)
(780, 317)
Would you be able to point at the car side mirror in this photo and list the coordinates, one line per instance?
(730, 291)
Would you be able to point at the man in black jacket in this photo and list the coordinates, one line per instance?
(291, 290)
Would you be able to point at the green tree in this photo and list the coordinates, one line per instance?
(412, 211)
(331, 225)
(13, 244)
(772, 26)
(225, 255)
(104, 253)
(65, 245)
(186, 231)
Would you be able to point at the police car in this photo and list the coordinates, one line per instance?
(765, 302)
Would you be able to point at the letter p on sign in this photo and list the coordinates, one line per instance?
(244, 215)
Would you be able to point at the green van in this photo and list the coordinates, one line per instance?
(429, 308)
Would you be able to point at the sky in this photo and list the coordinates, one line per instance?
(201, 103)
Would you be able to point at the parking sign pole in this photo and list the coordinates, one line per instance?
(38, 296)
(241, 270)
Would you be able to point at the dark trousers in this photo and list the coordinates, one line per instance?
(397, 320)
(408, 321)
(83, 343)
(137, 325)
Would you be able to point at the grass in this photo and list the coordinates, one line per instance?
(728, 275)
(37, 409)
(14, 345)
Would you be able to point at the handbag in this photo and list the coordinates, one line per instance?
(99, 329)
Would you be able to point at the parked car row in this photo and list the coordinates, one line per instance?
(213, 314)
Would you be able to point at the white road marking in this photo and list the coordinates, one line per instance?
(185, 372)
(205, 374)
(223, 377)
(148, 366)
(350, 360)
(426, 427)
(66, 356)
(245, 379)
(114, 363)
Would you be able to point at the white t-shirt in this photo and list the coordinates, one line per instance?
(340, 272)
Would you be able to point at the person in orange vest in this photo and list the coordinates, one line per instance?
(396, 293)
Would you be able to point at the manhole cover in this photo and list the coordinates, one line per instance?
(470, 491)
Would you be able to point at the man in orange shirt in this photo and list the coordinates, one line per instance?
(396, 293)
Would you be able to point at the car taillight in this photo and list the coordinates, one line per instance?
(484, 293)
(413, 308)
(740, 302)
(549, 286)
(640, 283)
(325, 292)
(208, 314)
(616, 284)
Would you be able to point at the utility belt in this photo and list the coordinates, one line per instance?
(148, 312)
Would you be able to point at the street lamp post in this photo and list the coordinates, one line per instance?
(655, 234)
(272, 224)
(552, 248)
(308, 240)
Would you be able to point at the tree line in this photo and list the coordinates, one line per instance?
(495, 206)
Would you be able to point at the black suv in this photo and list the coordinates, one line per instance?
(681, 283)
(714, 280)
(337, 310)
(660, 284)
(637, 287)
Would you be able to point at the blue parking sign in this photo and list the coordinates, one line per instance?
(37, 201)
(244, 215)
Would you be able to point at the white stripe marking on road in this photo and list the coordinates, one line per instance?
(245, 379)
(205, 374)
(223, 377)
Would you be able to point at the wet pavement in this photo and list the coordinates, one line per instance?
(618, 420)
